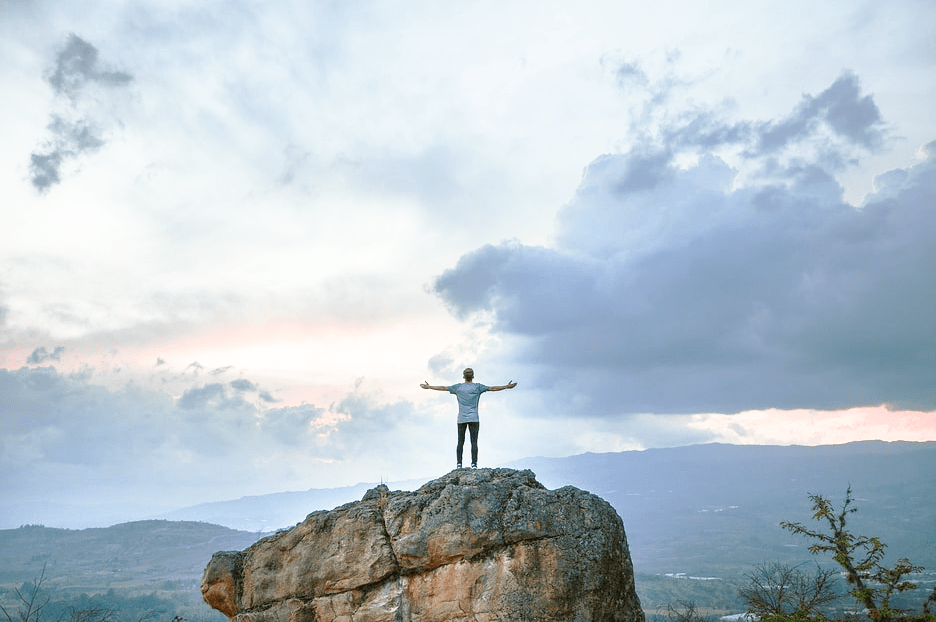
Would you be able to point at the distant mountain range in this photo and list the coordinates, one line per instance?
(266, 513)
(704, 510)
(715, 509)
(701, 509)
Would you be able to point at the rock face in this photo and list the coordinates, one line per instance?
(474, 545)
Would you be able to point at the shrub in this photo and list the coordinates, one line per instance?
(873, 585)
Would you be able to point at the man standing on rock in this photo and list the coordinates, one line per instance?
(468, 394)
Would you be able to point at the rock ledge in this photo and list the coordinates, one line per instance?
(473, 545)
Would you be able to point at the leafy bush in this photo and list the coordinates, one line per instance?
(873, 585)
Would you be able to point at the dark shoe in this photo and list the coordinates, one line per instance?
(474, 466)
(458, 466)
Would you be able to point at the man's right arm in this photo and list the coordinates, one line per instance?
(426, 385)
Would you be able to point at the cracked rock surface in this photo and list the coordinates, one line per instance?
(474, 545)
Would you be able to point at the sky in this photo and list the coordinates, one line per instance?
(235, 236)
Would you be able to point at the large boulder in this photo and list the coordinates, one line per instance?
(474, 545)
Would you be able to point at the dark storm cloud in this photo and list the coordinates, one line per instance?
(76, 69)
(671, 290)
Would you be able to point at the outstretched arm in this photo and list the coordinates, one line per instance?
(426, 385)
(509, 385)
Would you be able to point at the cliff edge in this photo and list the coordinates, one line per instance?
(473, 545)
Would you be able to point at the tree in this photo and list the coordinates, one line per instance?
(684, 611)
(34, 603)
(777, 589)
(873, 585)
(930, 599)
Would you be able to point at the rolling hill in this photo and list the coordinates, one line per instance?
(704, 511)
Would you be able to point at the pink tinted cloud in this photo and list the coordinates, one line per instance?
(818, 427)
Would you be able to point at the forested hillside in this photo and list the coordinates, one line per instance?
(133, 572)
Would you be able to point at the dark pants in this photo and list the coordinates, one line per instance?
(473, 429)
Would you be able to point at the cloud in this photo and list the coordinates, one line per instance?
(82, 439)
(840, 107)
(41, 355)
(630, 73)
(243, 385)
(692, 289)
(73, 131)
(77, 65)
(831, 129)
(213, 395)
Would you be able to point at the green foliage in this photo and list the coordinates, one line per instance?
(931, 599)
(873, 585)
(30, 600)
(137, 557)
(35, 605)
(33, 602)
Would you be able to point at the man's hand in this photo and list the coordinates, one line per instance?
(426, 385)
(509, 385)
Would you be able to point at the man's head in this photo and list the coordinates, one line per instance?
(468, 374)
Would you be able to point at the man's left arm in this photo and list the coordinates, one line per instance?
(509, 385)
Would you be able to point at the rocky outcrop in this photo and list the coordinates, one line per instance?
(474, 545)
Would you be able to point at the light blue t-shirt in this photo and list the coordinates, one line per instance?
(468, 395)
